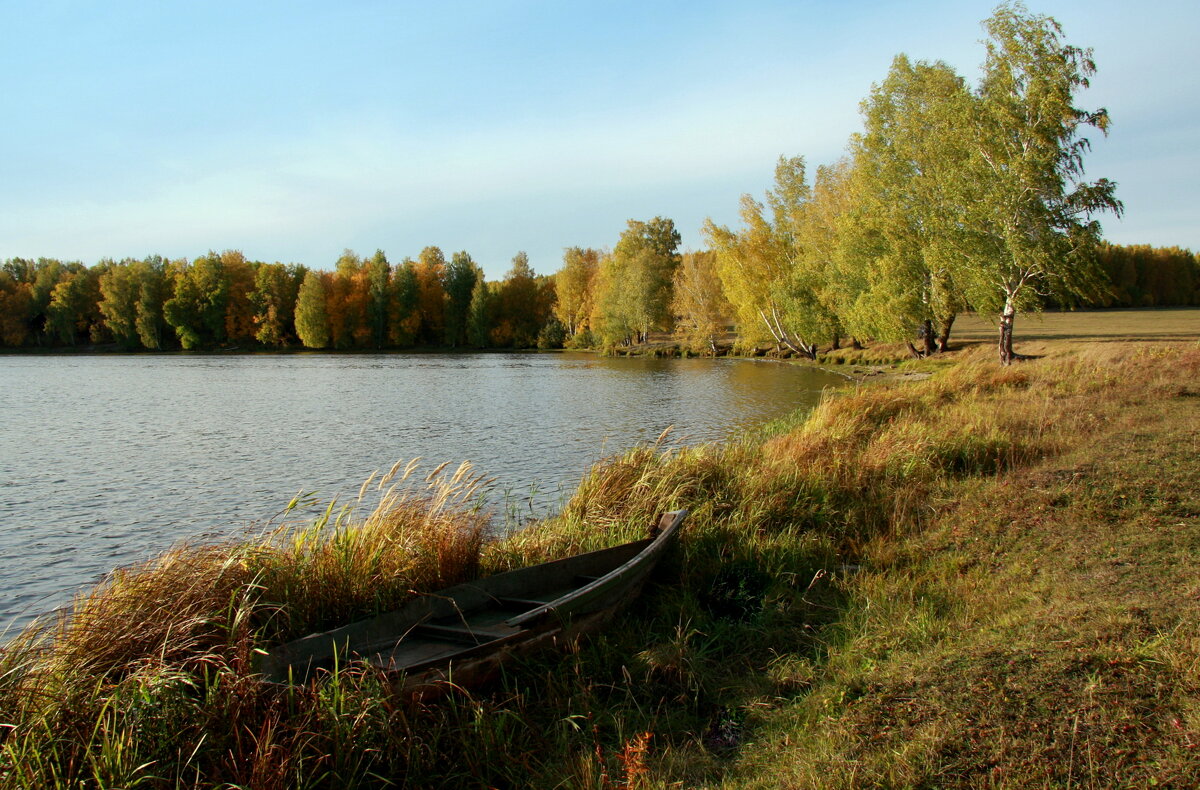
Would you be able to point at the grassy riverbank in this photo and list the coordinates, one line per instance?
(987, 578)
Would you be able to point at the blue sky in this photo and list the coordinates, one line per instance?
(293, 130)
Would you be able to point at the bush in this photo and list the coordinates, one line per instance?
(552, 335)
(581, 339)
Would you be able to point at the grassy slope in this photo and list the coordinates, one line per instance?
(1041, 629)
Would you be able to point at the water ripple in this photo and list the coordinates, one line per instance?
(106, 460)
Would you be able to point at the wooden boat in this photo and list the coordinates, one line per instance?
(462, 634)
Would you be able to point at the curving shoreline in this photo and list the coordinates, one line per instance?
(1030, 526)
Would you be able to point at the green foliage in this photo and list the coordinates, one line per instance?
(201, 296)
(312, 316)
(120, 288)
(1145, 276)
(902, 231)
(633, 290)
(276, 290)
(46, 274)
(378, 274)
(182, 311)
(461, 276)
(404, 302)
(481, 315)
(580, 340)
(552, 335)
(1023, 195)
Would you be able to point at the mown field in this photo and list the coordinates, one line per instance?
(1087, 326)
(986, 578)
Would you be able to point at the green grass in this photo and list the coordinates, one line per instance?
(982, 579)
(1039, 630)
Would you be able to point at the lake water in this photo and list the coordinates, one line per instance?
(106, 460)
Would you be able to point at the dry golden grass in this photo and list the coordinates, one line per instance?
(181, 630)
(1039, 629)
(1163, 324)
(416, 539)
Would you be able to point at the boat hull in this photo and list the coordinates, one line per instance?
(461, 636)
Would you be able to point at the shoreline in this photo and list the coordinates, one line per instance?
(1047, 555)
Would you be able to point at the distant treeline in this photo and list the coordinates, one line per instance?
(1145, 276)
(223, 300)
(598, 298)
(219, 300)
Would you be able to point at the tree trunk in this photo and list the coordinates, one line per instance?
(1006, 333)
(837, 343)
(927, 336)
(913, 350)
(943, 340)
(856, 344)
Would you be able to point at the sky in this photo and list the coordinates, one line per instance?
(295, 130)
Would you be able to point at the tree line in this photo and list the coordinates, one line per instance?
(223, 300)
(597, 299)
(952, 197)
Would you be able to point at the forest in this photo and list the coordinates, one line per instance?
(952, 197)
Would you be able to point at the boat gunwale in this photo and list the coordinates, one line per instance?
(650, 552)
(338, 643)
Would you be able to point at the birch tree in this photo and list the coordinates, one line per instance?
(903, 225)
(575, 286)
(1023, 193)
(699, 304)
(773, 288)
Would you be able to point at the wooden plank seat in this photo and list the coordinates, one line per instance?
(521, 603)
(467, 633)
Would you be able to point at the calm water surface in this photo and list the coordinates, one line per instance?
(105, 460)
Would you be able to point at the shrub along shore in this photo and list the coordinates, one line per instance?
(985, 578)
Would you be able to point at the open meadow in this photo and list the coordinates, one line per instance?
(1088, 326)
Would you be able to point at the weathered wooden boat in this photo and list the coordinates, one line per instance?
(462, 634)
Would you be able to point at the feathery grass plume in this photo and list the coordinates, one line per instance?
(341, 567)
